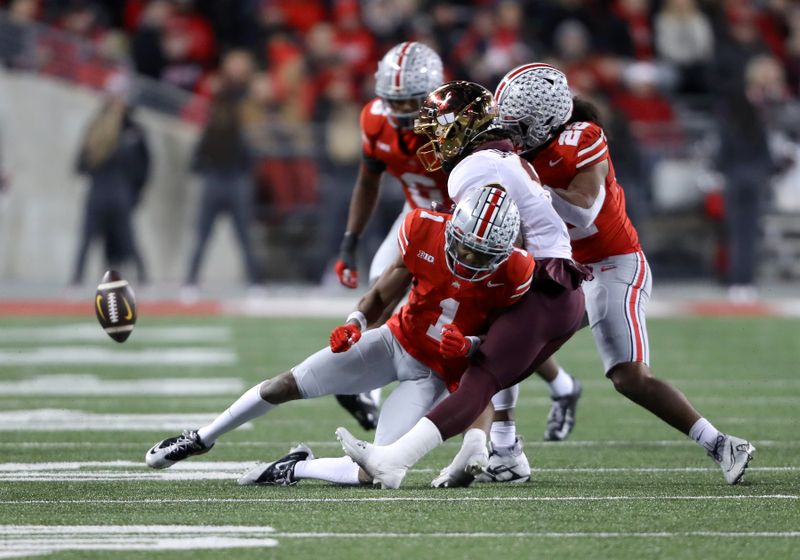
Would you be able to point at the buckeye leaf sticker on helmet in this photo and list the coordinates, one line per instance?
(115, 306)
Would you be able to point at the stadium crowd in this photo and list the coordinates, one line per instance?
(304, 68)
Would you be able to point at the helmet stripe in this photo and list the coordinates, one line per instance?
(401, 59)
(491, 207)
(516, 72)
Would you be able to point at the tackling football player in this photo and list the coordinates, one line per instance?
(562, 138)
(461, 269)
(459, 120)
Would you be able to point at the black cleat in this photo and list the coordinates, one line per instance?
(362, 408)
(561, 419)
(280, 472)
(169, 451)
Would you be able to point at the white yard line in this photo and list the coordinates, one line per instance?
(91, 385)
(380, 499)
(197, 471)
(90, 331)
(336, 445)
(113, 356)
(18, 541)
(58, 420)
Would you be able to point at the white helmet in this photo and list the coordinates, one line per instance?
(533, 100)
(408, 71)
(480, 235)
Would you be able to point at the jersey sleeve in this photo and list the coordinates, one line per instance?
(370, 121)
(406, 237)
(591, 148)
(519, 272)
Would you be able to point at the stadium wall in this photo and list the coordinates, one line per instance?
(42, 120)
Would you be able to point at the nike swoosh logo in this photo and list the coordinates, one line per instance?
(129, 316)
(491, 284)
(99, 307)
(554, 162)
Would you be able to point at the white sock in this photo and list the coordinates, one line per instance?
(375, 395)
(503, 434)
(705, 434)
(250, 405)
(339, 470)
(414, 444)
(562, 385)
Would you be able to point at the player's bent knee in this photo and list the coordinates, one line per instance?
(629, 378)
(280, 389)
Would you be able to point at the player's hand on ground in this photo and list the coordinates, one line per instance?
(348, 274)
(454, 344)
(343, 337)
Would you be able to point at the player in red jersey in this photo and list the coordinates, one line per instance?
(405, 76)
(461, 269)
(562, 137)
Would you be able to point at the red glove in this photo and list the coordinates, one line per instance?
(344, 336)
(348, 276)
(454, 344)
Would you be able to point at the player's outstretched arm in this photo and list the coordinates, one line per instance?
(362, 206)
(582, 201)
(387, 290)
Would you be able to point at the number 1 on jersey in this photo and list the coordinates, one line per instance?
(449, 309)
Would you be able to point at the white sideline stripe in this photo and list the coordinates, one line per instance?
(379, 499)
(60, 355)
(336, 445)
(28, 540)
(57, 420)
(89, 384)
(87, 332)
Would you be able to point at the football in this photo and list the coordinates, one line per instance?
(115, 306)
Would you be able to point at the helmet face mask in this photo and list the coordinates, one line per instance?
(533, 100)
(480, 235)
(452, 117)
(405, 76)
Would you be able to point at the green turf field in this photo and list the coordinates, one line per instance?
(78, 412)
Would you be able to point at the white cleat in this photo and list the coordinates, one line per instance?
(171, 450)
(507, 464)
(372, 459)
(459, 473)
(732, 454)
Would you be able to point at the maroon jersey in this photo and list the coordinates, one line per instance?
(387, 148)
(580, 146)
(437, 297)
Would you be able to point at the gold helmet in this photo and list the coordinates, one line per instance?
(453, 116)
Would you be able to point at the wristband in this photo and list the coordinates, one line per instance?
(349, 242)
(358, 317)
(474, 344)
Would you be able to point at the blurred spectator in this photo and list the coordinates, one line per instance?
(746, 163)
(16, 35)
(115, 156)
(492, 44)
(653, 121)
(684, 38)
(636, 16)
(223, 160)
(146, 44)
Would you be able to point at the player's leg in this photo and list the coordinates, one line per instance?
(616, 301)
(507, 460)
(417, 392)
(364, 406)
(323, 373)
(515, 345)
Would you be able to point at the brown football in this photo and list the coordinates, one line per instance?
(115, 306)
